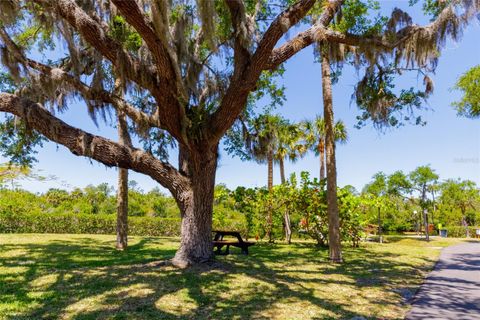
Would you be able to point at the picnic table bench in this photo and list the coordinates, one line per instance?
(219, 242)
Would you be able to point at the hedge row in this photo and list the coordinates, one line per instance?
(460, 232)
(98, 224)
(85, 223)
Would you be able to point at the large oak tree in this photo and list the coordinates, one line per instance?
(189, 69)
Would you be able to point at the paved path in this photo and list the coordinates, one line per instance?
(452, 289)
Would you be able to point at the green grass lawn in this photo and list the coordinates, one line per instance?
(83, 277)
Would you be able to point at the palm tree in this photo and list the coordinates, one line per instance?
(315, 138)
(261, 144)
(334, 239)
(289, 146)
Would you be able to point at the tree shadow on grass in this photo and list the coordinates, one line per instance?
(87, 279)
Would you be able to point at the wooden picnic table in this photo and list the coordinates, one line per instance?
(219, 242)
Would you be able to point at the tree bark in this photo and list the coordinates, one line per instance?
(287, 226)
(334, 240)
(122, 193)
(425, 220)
(196, 206)
(270, 172)
(122, 209)
(418, 224)
(281, 164)
(270, 190)
(321, 152)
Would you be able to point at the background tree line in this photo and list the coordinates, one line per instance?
(389, 203)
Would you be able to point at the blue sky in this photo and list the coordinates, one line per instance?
(451, 145)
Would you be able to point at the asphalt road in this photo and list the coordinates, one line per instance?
(452, 289)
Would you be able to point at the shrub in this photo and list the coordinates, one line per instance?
(12, 222)
(460, 232)
(84, 223)
(231, 225)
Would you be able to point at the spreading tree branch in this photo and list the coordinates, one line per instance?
(82, 143)
(165, 64)
(320, 32)
(103, 96)
(87, 92)
(277, 29)
(323, 21)
(241, 53)
(95, 34)
(240, 87)
(170, 112)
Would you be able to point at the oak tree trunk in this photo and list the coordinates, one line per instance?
(196, 206)
(334, 240)
(321, 151)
